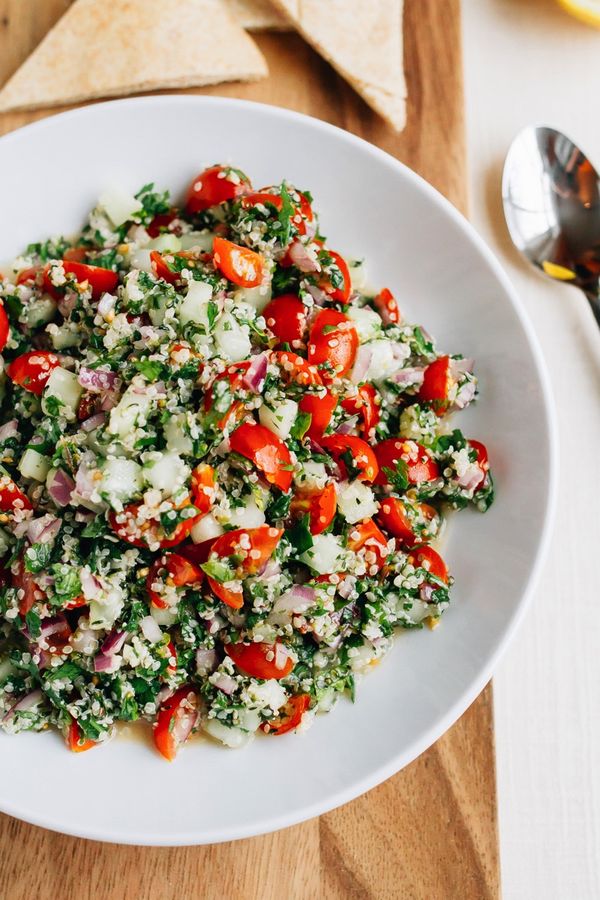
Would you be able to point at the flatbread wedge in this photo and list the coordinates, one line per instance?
(362, 40)
(257, 15)
(105, 49)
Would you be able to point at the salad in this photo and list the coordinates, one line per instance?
(224, 461)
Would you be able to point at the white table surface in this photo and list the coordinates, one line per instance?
(527, 62)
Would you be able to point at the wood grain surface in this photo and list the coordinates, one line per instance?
(429, 832)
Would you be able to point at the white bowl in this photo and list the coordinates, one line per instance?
(415, 242)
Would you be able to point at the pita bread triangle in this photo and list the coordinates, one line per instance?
(257, 15)
(362, 39)
(104, 49)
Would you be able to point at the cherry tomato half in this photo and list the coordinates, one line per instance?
(293, 712)
(286, 318)
(346, 448)
(437, 382)
(234, 374)
(267, 451)
(11, 497)
(148, 532)
(249, 549)
(4, 328)
(75, 739)
(176, 719)
(427, 558)
(482, 460)
(342, 293)
(333, 342)
(238, 264)
(162, 269)
(215, 185)
(170, 570)
(420, 465)
(365, 404)
(387, 307)
(261, 660)
(203, 487)
(393, 516)
(320, 409)
(368, 537)
(32, 370)
(320, 506)
(100, 280)
(161, 222)
(295, 369)
(23, 581)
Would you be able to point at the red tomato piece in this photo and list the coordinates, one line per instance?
(362, 457)
(368, 537)
(234, 374)
(32, 370)
(320, 410)
(482, 460)
(263, 198)
(161, 222)
(215, 185)
(267, 451)
(148, 532)
(333, 342)
(238, 264)
(75, 739)
(261, 660)
(320, 506)
(203, 487)
(28, 275)
(437, 382)
(249, 549)
(365, 404)
(176, 719)
(4, 328)
(420, 465)
(75, 254)
(295, 368)
(393, 516)
(293, 712)
(23, 581)
(427, 558)
(100, 280)
(76, 603)
(342, 294)
(162, 269)
(286, 318)
(387, 307)
(11, 497)
(171, 570)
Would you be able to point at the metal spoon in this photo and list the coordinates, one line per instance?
(551, 196)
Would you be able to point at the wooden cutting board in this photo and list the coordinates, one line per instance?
(430, 832)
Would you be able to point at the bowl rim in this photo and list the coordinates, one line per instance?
(470, 693)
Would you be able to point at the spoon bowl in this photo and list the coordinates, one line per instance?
(551, 197)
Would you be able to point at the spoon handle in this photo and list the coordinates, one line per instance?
(594, 298)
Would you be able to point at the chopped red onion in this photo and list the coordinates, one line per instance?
(297, 600)
(113, 643)
(185, 719)
(254, 378)
(412, 375)
(426, 592)
(348, 427)
(400, 350)
(108, 663)
(206, 661)
(317, 294)
(362, 362)
(9, 430)
(94, 422)
(471, 478)
(300, 257)
(66, 304)
(346, 587)
(465, 395)
(27, 702)
(90, 585)
(109, 400)
(44, 529)
(60, 487)
(53, 625)
(98, 381)
(460, 367)
(272, 569)
(151, 629)
(164, 694)
(106, 303)
(281, 656)
(84, 482)
(225, 683)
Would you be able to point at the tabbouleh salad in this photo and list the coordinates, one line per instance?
(223, 463)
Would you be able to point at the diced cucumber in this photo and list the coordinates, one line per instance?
(313, 475)
(65, 335)
(166, 472)
(140, 259)
(63, 385)
(176, 435)
(198, 240)
(119, 205)
(164, 617)
(231, 737)
(4, 542)
(247, 516)
(165, 243)
(367, 321)
(356, 502)
(358, 273)
(325, 554)
(40, 311)
(232, 339)
(258, 297)
(121, 479)
(131, 411)
(34, 465)
(193, 307)
(206, 528)
(279, 419)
